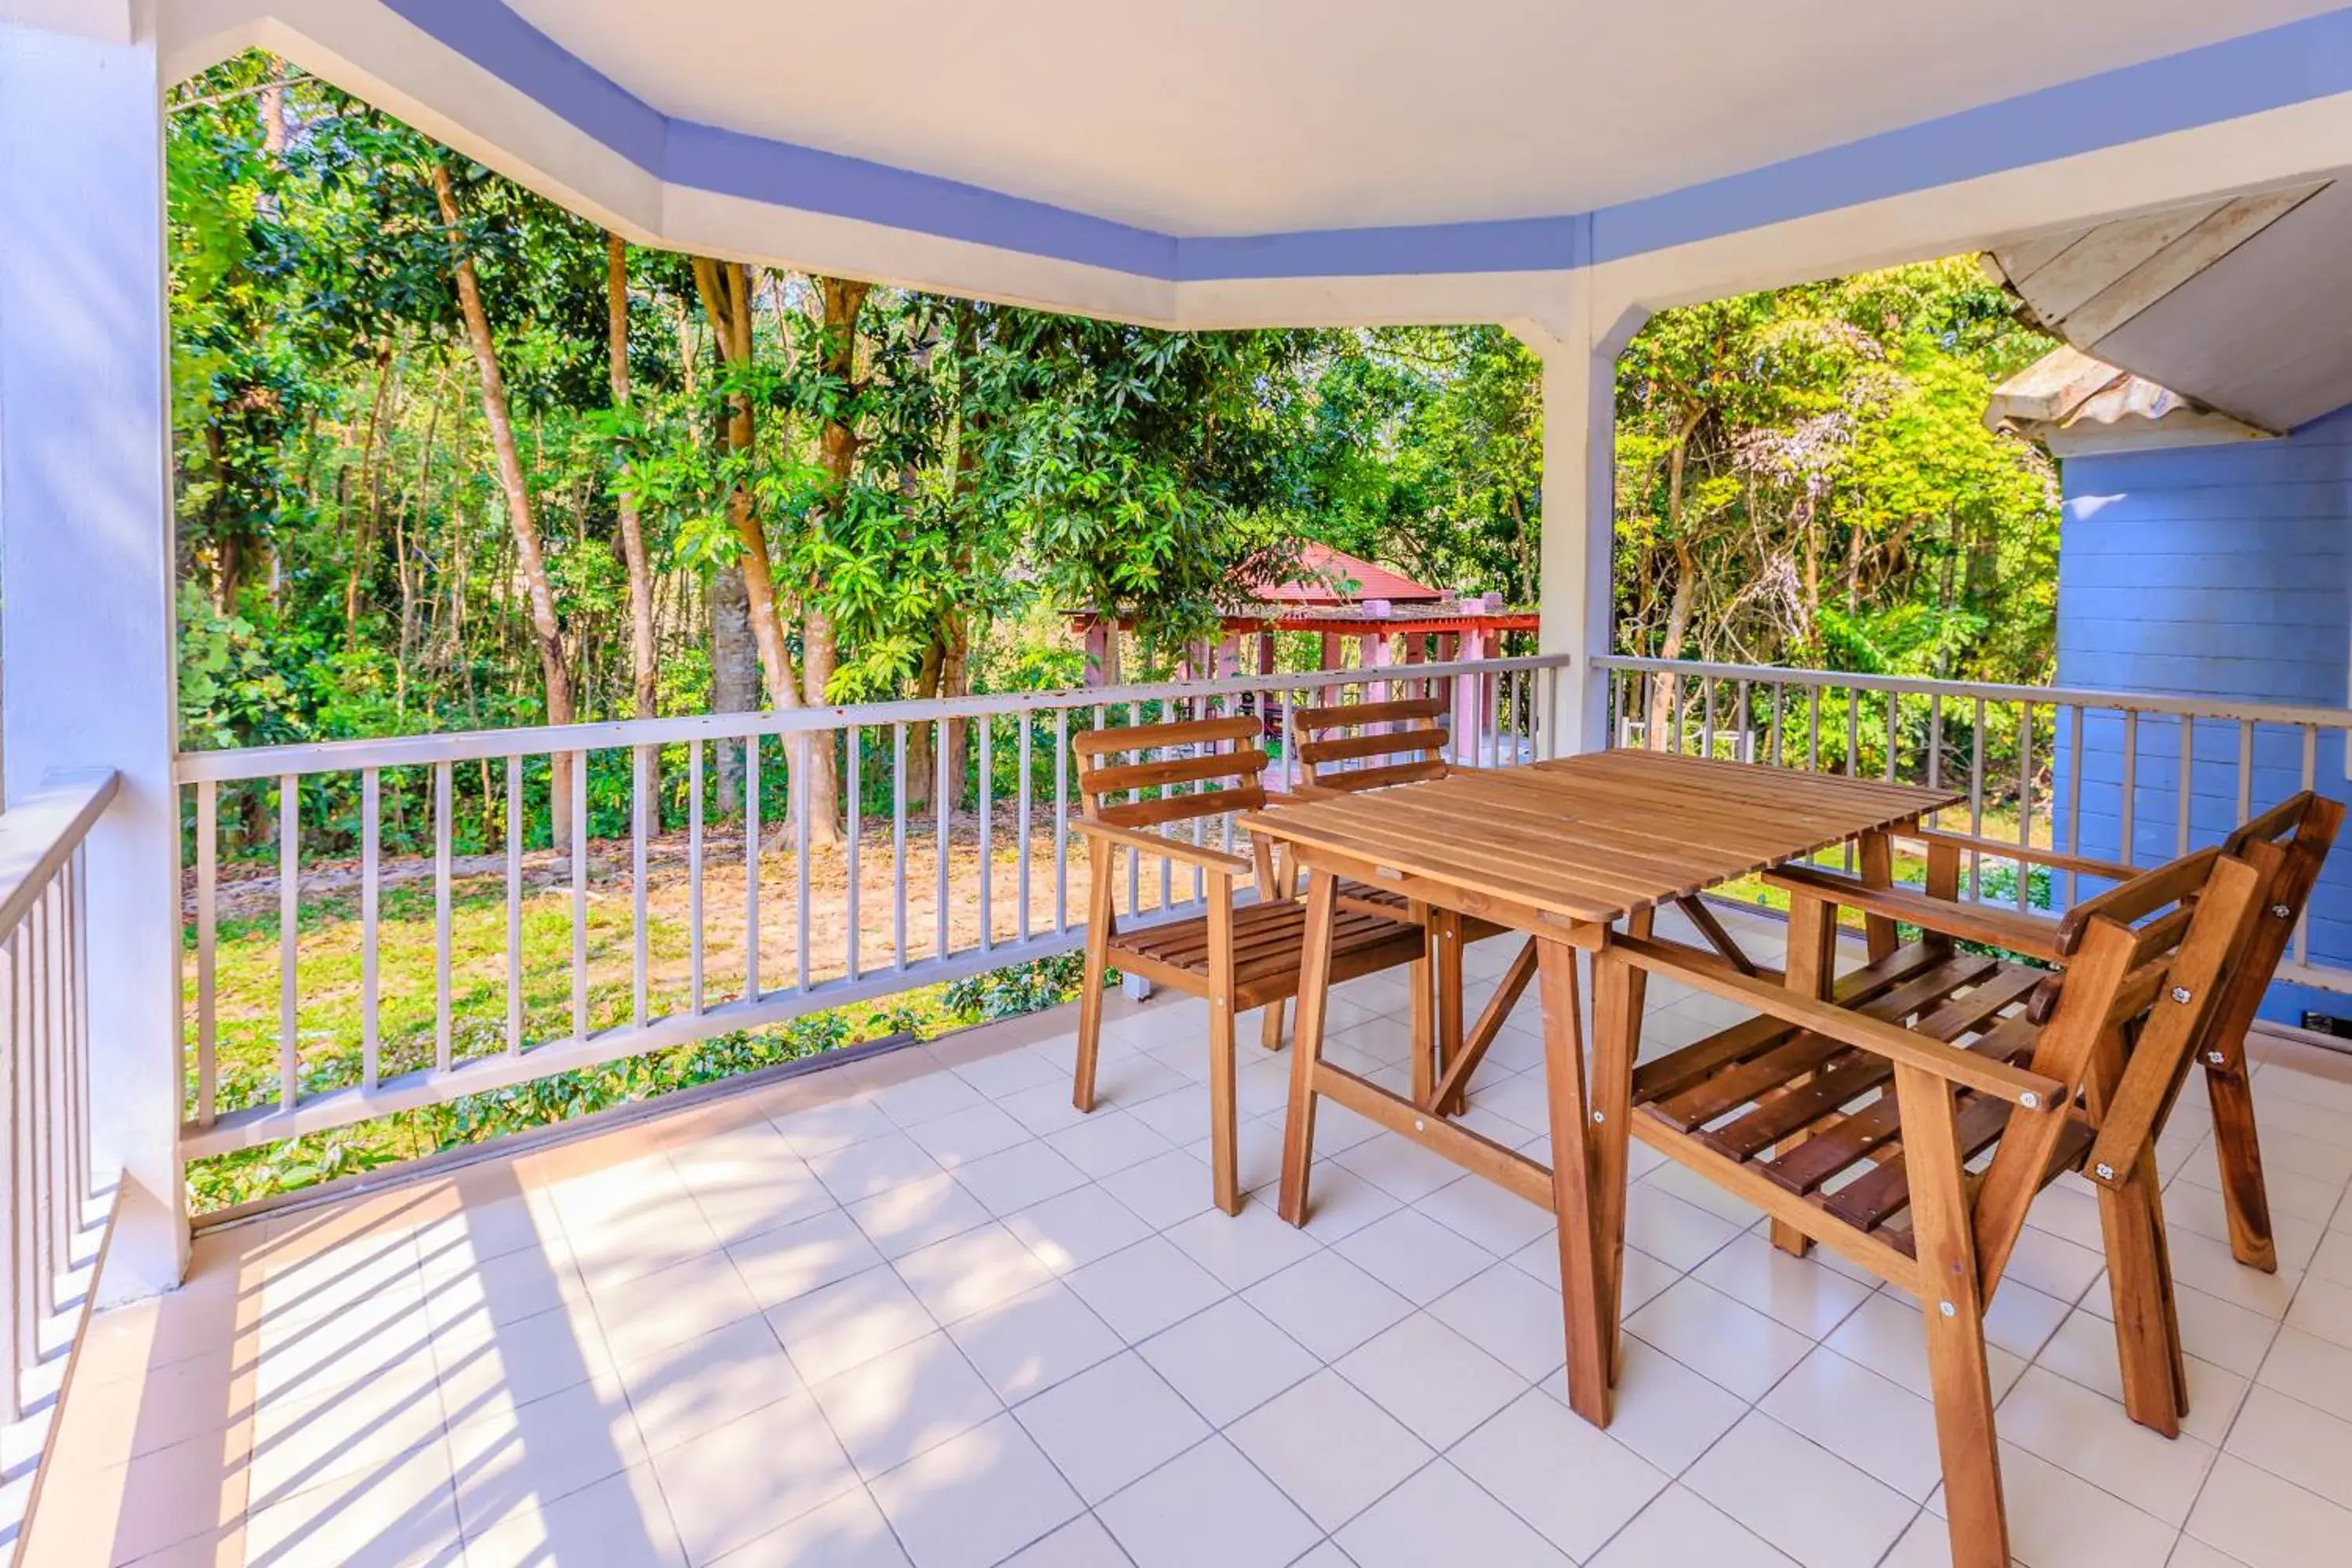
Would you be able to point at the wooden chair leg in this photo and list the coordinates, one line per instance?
(1276, 877)
(1091, 991)
(1306, 1047)
(1953, 1312)
(1813, 972)
(2139, 1283)
(1224, 1160)
(2245, 1196)
(1425, 1043)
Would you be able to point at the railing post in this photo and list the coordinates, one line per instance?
(86, 558)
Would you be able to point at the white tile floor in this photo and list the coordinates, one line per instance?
(918, 1311)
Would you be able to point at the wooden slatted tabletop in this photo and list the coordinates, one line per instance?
(1585, 840)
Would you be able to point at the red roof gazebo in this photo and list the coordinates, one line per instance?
(1388, 618)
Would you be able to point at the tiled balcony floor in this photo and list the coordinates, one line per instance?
(919, 1310)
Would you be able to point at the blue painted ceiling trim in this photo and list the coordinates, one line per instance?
(2293, 64)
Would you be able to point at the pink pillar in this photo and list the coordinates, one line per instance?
(1229, 654)
(1469, 713)
(1098, 636)
(1378, 654)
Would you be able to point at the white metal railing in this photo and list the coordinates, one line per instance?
(2132, 777)
(59, 1206)
(943, 871)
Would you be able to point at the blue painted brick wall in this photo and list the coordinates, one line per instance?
(2215, 571)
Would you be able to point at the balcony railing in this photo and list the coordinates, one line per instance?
(409, 928)
(656, 917)
(58, 1204)
(2134, 777)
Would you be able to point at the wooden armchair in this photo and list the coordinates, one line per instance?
(1236, 957)
(2300, 830)
(1348, 748)
(1861, 1112)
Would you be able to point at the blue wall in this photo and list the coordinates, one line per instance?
(2219, 572)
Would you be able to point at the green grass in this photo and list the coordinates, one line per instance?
(330, 1021)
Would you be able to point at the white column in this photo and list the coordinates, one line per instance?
(85, 558)
(1579, 507)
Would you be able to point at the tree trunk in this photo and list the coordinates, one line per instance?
(837, 444)
(642, 664)
(372, 481)
(546, 630)
(1678, 611)
(922, 769)
(645, 673)
(734, 674)
(726, 289)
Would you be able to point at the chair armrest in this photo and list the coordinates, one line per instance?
(2036, 936)
(1985, 1075)
(1144, 842)
(2107, 870)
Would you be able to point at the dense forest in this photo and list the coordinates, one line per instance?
(450, 457)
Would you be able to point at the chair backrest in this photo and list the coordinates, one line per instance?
(1353, 746)
(1199, 767)
(2289, 843)
(2147, 962)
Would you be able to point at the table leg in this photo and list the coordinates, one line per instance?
(1576, 1176)
(1422, 976)
(1448, 962)
(1453, 1088)
(1617, 996)
(1307, 1043)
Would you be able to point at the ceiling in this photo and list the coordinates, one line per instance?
(1238, 117)
(2240, 305)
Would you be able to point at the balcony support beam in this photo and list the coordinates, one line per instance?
(1579, 344)
(85, 557)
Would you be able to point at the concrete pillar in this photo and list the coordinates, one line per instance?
(1579, 353)
(85, 556)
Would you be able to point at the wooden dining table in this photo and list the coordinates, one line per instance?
(1564, 851)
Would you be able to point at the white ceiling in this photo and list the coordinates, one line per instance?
(2265, 334)
(1205, 117)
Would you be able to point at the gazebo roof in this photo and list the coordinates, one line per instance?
(1335, 577)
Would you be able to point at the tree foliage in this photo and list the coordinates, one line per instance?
(1804, 475)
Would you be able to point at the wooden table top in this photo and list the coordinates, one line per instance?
(1588, 839)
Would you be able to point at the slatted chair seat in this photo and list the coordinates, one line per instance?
(1267, 941)
(2291, 840)
(1817, 1118)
